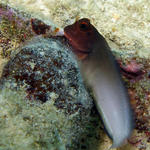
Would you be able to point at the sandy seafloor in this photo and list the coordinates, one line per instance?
(124, 23)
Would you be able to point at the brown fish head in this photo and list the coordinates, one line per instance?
(82, 35)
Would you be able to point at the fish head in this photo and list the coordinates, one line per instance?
(82, 35)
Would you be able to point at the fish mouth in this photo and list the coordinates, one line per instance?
(82, 52)
(75, 47)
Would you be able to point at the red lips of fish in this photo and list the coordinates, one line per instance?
(82, 36)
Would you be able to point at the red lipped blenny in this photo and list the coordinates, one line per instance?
(102, 74)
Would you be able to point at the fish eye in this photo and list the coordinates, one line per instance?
(84, 26)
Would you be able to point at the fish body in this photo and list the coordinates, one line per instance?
(101, 72)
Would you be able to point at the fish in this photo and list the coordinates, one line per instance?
(102, 74)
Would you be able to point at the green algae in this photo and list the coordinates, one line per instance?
(29, 125)
(32, 125)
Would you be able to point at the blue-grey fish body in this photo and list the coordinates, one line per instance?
(101, 72)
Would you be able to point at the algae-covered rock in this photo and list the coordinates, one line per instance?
(44, 66)
(44, 102)
(14, 29)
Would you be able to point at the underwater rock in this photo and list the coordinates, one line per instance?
(39, 27)
(135, 71)
(44, 66)
(48, 73)
(15, 28)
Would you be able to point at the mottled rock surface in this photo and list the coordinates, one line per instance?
(47, 72)
(136, 77)
(14, 29)
(44, 66)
